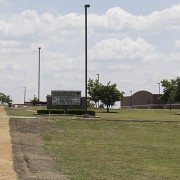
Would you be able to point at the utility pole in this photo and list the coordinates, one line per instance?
(86, 7)
(24, 95)
(39, 74)
(159, 87)
(131, 98)
(98, 84)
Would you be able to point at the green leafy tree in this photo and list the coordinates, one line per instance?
(93, 88)
(170, 92)
(5, 99)
(108, 94)
(177, 94)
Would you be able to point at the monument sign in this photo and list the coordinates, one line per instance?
(63, 98)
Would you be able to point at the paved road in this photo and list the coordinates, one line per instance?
(6, 158)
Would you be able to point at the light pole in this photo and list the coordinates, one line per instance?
(24, 95)
(130, 98)
(130, 92)
(86, 7)
(39, 74)
(98, 78)
(159, 87)
(98, 84)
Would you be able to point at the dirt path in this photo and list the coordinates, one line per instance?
(6, 159)
(31, 162)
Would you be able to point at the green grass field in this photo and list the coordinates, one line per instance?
(122, 114)
(140, 114)
(115, 150)
(99, 149)
(23, 111)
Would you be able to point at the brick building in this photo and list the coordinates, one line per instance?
(143, 100)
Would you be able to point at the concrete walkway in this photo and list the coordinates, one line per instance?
(6, 158)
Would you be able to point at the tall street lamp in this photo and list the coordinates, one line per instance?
(86, 7)
(159, 87)
(98, 84)
(24, 95)
(39, 74)
(131, 98)
(98, 78)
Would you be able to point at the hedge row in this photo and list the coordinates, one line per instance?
(80, 112)
(69, 111)
(50, 111)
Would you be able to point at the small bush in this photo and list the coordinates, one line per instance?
(50, 111)
(80, 112)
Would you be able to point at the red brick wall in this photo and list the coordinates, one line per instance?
(142, 99)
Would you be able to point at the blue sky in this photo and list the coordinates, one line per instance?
(134, 44)
(99, 6)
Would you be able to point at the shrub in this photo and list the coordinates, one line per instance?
(50, 111)
(80, 112)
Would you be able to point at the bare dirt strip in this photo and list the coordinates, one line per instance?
(31, 161)
(7, 171)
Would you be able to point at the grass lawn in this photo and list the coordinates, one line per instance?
(99, 149)
(140, 114)
(23, 111)
(115, 150)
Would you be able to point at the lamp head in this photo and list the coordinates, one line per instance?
(87, 5)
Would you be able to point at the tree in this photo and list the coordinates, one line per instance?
(170, 92)
(5, 99)
(177, 96)
(108, 94)
(93, 88)
(34, 101)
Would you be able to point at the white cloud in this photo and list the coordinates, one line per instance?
(9, 66)
(166, 19)
(10, 47)
(177, 43)
(122, 49)
(31, 24)
(69, 27)
(3, 1)
(6, 43)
